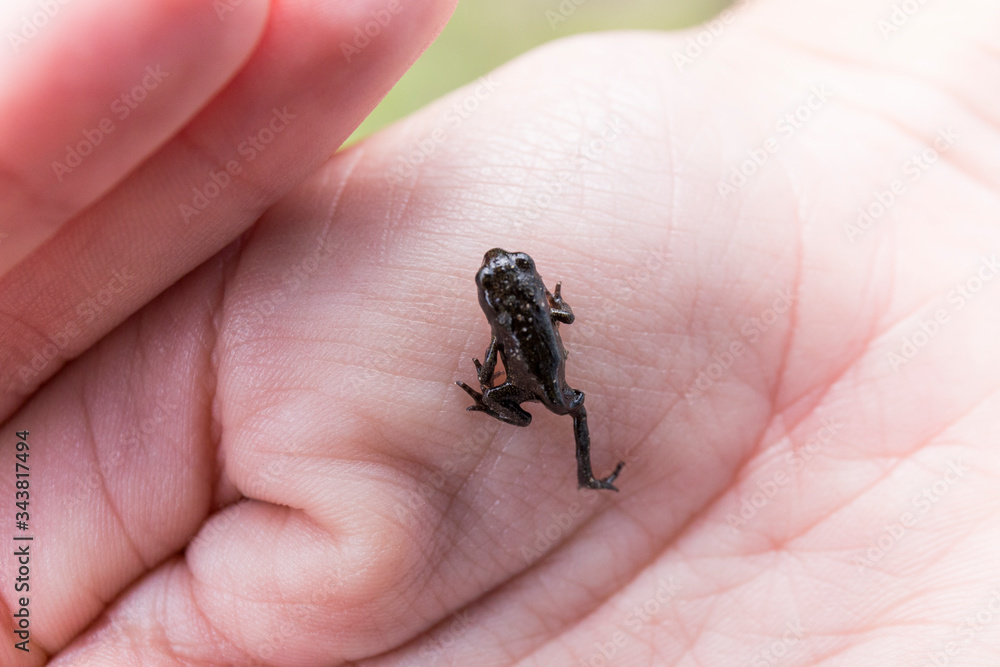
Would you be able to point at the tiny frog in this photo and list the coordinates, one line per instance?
(524, 317)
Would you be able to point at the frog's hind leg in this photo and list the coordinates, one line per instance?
(476, 396)
(503, 403)
(584, 471)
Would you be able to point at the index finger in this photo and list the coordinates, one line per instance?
(91, 89)
(303, 91)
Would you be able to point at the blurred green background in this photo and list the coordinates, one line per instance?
(484, 34)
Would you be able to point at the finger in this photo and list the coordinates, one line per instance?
(78, 111)
(122, 465)
(303, 91)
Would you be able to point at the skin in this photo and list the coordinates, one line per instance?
(524, 321)
(298, 484)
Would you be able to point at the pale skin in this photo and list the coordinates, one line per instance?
(270, 461)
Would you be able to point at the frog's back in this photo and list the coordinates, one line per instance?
(533, 350)
(515, 302)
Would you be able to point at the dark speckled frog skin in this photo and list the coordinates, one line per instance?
(524, 317)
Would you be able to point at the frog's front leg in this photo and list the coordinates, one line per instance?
(561, 312)
(584, 471)
(486, 370)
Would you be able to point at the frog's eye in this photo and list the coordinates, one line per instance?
(524, 263)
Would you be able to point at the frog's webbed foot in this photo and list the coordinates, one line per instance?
(476, 396)
(607, 483)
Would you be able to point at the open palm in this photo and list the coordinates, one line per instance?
(781, 249)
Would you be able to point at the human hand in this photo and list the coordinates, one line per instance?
(137, 140)
(804, 395)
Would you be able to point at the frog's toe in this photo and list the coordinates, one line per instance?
(514, 417)
(613, 476)
(599, 484)
(477, 397)
(607, 482)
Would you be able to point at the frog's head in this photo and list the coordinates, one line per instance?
(505, 275)
(501, 267)
(500, 261)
